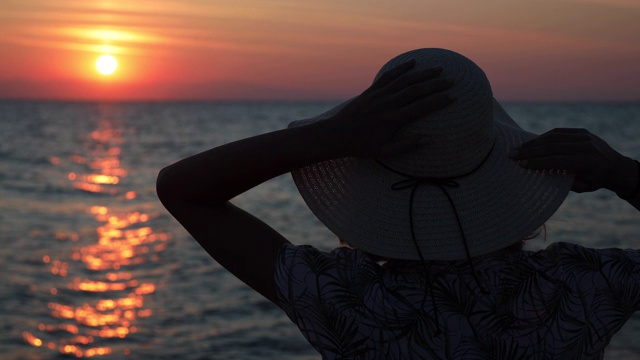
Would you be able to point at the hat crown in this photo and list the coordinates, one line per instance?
(458, 137)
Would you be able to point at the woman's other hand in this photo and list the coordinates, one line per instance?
(596, 164)
(366, 126)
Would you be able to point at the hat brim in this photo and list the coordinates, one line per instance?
(499, 204)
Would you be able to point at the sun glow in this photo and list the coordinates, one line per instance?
(106, 64)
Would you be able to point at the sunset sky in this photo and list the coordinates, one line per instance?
(302, 49)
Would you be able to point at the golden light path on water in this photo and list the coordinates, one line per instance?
(103, 300)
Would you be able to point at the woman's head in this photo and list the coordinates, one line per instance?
(458, 196)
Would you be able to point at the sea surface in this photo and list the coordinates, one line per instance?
(91, 265)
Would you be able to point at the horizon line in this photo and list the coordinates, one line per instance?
(291, 100)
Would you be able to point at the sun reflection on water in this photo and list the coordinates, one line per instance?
(100, 300)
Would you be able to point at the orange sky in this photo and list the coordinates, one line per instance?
(303, 49)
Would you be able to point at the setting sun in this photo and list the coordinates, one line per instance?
(106, 64)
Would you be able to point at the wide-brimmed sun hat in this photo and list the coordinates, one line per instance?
(458, 196)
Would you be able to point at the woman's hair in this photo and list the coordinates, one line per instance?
(518, 246)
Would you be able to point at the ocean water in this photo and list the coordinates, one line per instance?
(93, 266)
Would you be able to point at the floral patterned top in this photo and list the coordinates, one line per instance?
(564, 302)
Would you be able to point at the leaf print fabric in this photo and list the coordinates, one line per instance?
(564, 302)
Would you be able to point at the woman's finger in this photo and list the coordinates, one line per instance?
(581, 187)
(559, 162)
(560, 135)
(418, 77)
(400, 146)
(547, 149)
(393, 73)
(418, 91)
(584, 181)
(423, 106)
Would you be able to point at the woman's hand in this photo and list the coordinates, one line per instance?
(594, 162)
(366, 126)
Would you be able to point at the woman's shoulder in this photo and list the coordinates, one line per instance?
(590, 266)
(301, 258)
(304, 274)
(572, 251)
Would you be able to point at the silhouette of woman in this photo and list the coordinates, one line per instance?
(425, 171)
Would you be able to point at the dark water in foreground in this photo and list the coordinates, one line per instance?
(92, 264)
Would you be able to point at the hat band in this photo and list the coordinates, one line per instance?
(414, 182)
